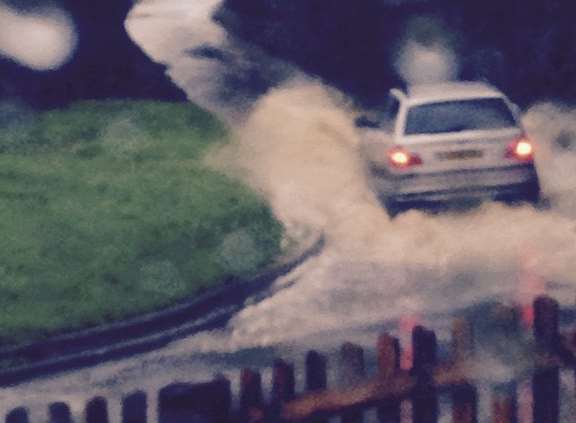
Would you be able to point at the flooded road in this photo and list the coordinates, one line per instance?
(297, 146)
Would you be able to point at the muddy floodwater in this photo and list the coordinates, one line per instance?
(298, 147)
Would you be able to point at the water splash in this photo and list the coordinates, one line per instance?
(42, 39)
(426, 53)
(300, 150)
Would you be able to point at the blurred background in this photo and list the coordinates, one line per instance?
(57, 51)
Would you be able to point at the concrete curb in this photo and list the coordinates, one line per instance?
(146, 332)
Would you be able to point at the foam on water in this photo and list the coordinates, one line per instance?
(299, 149)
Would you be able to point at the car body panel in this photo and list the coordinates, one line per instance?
(484, 183)
(445, 91)
(462, 150)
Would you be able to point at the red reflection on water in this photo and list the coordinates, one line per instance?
(405, 326)
(525, 401)
(530, 284)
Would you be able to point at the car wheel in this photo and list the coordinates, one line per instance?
(534, 191)
(530, 195)
(533, 195)
(392, 207)
(539, 201)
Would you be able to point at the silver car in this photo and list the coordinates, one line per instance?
(441, 142)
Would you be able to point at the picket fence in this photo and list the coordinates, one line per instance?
(392, 394)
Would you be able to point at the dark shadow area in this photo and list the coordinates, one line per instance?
(106, 63)
(523, 47)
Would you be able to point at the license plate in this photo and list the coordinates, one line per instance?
(460, 154)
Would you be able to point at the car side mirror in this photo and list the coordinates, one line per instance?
(365, 122)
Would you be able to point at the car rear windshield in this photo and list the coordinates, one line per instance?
(462, 115)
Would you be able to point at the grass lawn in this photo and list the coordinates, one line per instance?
(107, 211)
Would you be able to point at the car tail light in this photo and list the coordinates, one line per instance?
(400, 158)
(520, 149)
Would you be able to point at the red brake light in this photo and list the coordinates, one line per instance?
(520, 149)
(400, 158)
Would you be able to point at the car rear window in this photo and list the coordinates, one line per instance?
(461, 115)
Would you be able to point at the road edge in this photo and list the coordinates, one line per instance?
(146, 332)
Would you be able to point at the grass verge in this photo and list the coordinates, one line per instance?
(106, 211)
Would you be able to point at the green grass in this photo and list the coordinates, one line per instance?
(106, 211)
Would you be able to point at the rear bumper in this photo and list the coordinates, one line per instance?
(494, 183)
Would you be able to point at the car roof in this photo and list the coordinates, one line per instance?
(445, 91)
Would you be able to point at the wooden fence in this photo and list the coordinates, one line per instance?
(386, 392)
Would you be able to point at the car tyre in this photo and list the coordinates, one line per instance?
(393, 208)
(530, 195)
(533, 195)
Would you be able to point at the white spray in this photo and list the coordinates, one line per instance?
(299, 149)
(214, 69)
(41, 40)
(426, 53)
(553, 128)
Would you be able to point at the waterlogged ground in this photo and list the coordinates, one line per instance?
(298, 147)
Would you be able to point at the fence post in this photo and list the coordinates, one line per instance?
(546, 318)
(504, 405)
(135, 408)
(507, 329)
(351, 371)
(283, 382)
(207, 402)
(316, 377)
(462, 340)
(97, 410)
(283, 388)
(174, 404)
(220, 396)
(424, 398)
(546, 383)
(464, 398)
(464, 404)
(59, 412)
(388, 366)
(250, 396)
(17, 415)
